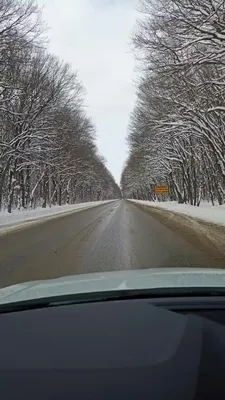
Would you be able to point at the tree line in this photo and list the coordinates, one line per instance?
(177, 128)
(48, 153)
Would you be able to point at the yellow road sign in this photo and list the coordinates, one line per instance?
(161, 189)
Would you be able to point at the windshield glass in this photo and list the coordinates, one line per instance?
(112, 145)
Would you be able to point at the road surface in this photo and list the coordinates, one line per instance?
(110, 237)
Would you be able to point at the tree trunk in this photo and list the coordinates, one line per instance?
(10, 192)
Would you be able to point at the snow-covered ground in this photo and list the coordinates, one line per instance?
(18, 218)
(206, 212)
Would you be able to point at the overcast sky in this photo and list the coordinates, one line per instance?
(94, 36)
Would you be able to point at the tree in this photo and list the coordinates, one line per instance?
(177, 126)
(47, 142)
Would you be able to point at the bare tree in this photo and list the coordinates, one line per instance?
(47, 142)
(177, 126)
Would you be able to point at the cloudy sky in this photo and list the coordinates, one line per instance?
(94, 36)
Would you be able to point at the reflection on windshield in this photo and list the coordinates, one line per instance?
(112, 142)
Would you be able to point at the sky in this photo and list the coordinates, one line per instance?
(94, 36)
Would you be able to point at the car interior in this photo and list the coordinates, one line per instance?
(146, 348)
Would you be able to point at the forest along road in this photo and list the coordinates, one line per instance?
(110, 237)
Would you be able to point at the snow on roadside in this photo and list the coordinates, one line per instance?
(206, 212)
(20, 217)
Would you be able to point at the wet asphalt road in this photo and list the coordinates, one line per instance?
(110, 237)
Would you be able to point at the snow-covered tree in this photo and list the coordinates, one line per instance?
(47, 142)
(177, 127)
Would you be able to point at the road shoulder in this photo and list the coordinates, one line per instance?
(206, 236)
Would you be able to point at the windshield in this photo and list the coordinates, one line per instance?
(112, 145)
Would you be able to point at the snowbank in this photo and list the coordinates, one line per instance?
(17, 218)
(206, 212)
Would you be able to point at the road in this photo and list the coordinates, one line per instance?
(113, 236)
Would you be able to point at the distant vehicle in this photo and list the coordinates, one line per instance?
(148, 334)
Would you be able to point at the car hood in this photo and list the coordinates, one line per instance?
(119, 280)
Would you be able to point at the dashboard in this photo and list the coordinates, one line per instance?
(136, 349)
